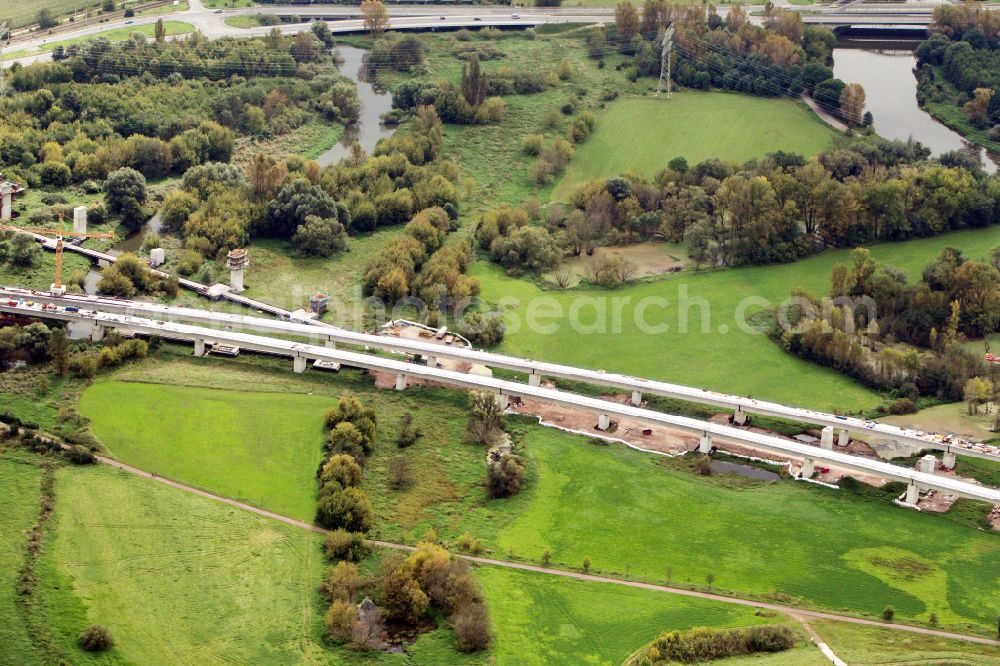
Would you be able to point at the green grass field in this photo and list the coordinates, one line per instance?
(260, 447)
(21, 490)
(115, 35)
(712, 359)
(24, 13)
(641, 134)
(785, 540)
(182, 580)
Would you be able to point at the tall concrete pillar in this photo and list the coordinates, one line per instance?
(97, 333)
(808, 468)
(927, 464)
(949, 460)
(80, 220)
(603, 422)
(826, 438)
(739, 416)
(534, 379)
(432, 362)
(912, 494)
(199, 347)
(400, 381)
(705, 445)
(6, 198)
(299, 364)
(844, 438)
(636, 398)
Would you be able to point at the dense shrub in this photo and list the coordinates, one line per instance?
(707, 644)
(343, 545)
(95, 638)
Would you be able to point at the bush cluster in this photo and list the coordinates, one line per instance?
(707, 644)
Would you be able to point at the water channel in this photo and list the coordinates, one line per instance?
(885, 69)
(375, 101)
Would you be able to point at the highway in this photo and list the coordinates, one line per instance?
(302, 352)
(534, 369)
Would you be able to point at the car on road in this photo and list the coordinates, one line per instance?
(217, 11)
(128, 22)
(515, 16)
(477, 18)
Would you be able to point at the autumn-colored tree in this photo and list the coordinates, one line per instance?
(375, 17)
(852, 103)
(159, 31)
(626, 22)
(978, 107)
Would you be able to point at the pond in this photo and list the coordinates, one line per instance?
(885, 69)
(723, 467)
(375, 101)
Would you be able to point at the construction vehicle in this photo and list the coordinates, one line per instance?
(57, 286)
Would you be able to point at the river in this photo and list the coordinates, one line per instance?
(885, 69)
(375, 101)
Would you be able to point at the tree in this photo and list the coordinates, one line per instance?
(45, 19)
(505, 477)
(322, 237)
(59, 350)
(125, 193)
(159, 31)
(343, 545)
(626, 24)
(977, 391)
(375, 17)
(401, 596)
(340, 620)
(349, 509)
(486, 420)
(305, 47)
(888, 613)
(978, 107)
(852, 103)
(344, 582)
(96, 638)
(294, 203)
(339, 472)
(473, 82)
(471, 624)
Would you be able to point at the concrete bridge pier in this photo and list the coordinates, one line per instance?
(636, 400)
(503, 400)
(432, 362)
(97, 333)
(705, 445)
(330, 344)
(534, 379)
(808, 468)
(739, 416)
(299, 364)
(199, 347)
(400, 381)
(844, 437)
(603, 422)
(927, 464)
(826, 438)
(949, 459)
(912, 494)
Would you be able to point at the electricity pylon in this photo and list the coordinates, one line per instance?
(666, 50)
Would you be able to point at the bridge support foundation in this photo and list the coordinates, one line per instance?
(705, 445)
(400, 381)
(534, 379)
(912, 494)
(603, 422)
(299, 364)
(97, 333)
(826, 438)
(199, 347)
(808, 468)
(844, 437)
(949, 460)
(636, 398)
(739, 416)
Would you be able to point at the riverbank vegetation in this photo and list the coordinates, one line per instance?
(958, 72)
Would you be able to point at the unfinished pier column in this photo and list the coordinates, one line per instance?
(844, 438)
(400, 381)
(603, 422)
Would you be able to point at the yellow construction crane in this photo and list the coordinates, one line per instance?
(59, 234)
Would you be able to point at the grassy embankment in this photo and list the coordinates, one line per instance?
(115, 35)
(784, 541)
